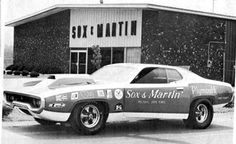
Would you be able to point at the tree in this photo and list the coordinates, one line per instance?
(97, 57)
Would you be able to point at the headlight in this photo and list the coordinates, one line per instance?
(36, 103)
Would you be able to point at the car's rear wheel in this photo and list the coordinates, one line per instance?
(88, 118)
(45, 122)
(200, 116)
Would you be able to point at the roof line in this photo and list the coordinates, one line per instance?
(60, 7)
(196, 12)
(11, 23)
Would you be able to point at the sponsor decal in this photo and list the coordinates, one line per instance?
(119, 107)
(87, 94)
(109, 94)
(83, 94)
(100, 93)
(61, 97)
(118, 94)
(57, 105)
(74, 96)
(154, 94)
(203, 91)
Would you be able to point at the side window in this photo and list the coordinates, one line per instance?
(151, 75)
(173, 75)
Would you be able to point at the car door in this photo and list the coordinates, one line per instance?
(157, 89)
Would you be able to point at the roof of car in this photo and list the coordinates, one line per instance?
(142, 65)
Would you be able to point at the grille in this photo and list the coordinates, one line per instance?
(33, 102)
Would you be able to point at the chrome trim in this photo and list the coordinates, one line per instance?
(53, 116)
(156, 115)
(28, 106)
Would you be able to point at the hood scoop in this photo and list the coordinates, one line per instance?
(70, 81)
(31, 83)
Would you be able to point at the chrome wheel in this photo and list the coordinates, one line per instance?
(201, 113)
(90, 116)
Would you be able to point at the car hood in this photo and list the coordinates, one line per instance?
(39, 86)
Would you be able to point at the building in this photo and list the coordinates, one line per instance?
(60, 39)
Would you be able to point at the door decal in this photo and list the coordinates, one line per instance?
(155, 94)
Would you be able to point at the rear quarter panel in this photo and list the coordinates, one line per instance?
(218, 94)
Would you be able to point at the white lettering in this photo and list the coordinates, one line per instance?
(203, 91)
(154, 94)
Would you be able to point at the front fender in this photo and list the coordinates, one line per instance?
(65, 102)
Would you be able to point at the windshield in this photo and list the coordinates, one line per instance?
(114, 73)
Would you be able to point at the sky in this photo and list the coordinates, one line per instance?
(14, 9)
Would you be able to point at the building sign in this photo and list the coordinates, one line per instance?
(105, 27)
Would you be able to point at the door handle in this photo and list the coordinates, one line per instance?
(180, 89)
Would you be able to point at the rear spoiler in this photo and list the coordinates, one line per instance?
(187, 67)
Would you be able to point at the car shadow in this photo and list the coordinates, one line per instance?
(142, 129)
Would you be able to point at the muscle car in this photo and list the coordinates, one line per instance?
(139, 90)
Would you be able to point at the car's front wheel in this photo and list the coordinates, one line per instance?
(88, 118)
(200, 115)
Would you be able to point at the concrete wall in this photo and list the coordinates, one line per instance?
(44, 44)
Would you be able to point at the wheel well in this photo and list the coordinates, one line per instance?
(207, 100)
(104, 104)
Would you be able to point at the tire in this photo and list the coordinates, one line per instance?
(45, 122)
(200, 115)
(88, 118)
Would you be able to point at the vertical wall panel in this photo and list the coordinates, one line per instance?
(133, 55)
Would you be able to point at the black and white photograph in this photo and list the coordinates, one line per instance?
(118, 71)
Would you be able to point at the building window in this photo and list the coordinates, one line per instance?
(106, 56)
(117, 55)
(110, 55)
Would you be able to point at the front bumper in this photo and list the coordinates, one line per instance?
(23, 101)
(39, 112)
(53, 116)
